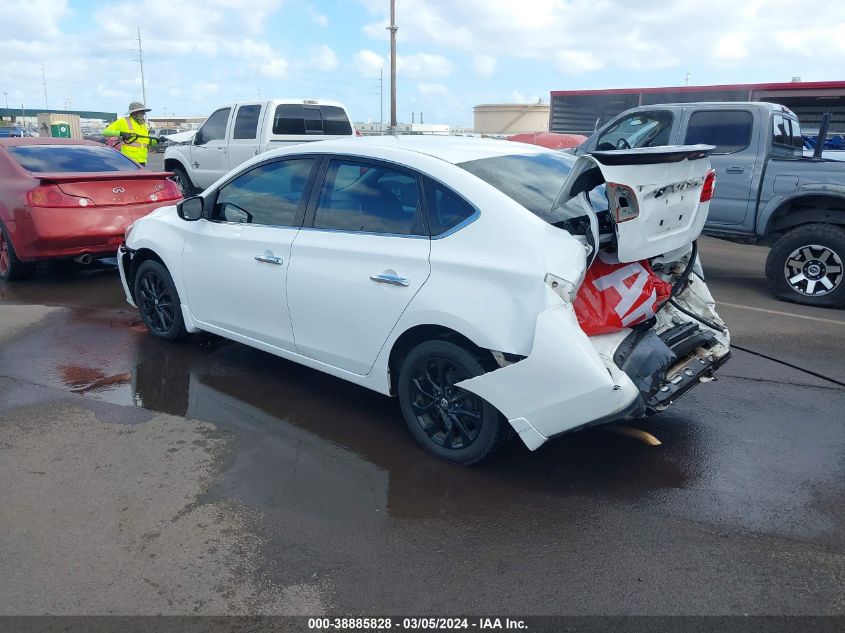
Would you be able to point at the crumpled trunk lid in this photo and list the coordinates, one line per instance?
(654, 195)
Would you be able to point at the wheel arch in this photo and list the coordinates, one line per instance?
(801, 209)
(141, 255)
(417, 334)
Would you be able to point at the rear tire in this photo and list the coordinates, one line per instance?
(807, 265)
(183, 181)
(158, 302)
(11, 268)
(447, 421)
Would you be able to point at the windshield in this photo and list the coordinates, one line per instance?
(70, 158)
(534, 181)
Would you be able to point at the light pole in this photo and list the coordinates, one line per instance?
(393, 28)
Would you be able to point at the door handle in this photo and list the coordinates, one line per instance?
(269, 259)
(391, 279)
(735, 170)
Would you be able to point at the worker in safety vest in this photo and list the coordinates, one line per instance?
(130, 133)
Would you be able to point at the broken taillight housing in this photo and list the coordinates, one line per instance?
(171, 191)
(709, 186)
(52, 196)
(623, 202)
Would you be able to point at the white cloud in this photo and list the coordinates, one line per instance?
(518, 97)
(484, 65)
(433, 90)
(731, 46)
(575, 62)
(275, 68)
(368, 63)
(318, 18)
(324, 59)
(423, 65)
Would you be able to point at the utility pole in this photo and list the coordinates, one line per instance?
(44, 81)
(686, 81)
(393, 28)
(381, 98)
(141, 60)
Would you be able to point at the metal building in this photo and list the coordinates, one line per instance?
(581, 111)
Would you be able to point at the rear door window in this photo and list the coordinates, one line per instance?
(371, 198)
(446, 209)
(246, 122)
(728, 130)
(70, 158)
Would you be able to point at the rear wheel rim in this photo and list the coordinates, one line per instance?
(155, 302)
(5, 259)
(448, 415)
(813, 270)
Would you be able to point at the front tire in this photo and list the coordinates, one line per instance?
(447, 421)
(11, 268)
(158, 302)
(806, 266)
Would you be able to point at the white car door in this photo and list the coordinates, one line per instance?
(208, 152)
(235, 262)
(360, 258)
(243, 144)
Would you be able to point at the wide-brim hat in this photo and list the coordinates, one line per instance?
(137, 106)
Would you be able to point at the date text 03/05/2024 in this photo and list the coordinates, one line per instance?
(411, 623)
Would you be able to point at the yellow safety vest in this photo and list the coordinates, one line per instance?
(136, 150)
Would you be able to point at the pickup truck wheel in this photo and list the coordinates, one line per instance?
(158, 302)
(183, 181)
(451, 423)
(11, 268)
(806, 266)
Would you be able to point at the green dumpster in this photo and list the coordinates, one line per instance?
(60, 129)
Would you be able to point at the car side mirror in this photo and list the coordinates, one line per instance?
(190, 209)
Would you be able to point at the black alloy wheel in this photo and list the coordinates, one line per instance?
(454, 424)
(807, 265)
(158, 301)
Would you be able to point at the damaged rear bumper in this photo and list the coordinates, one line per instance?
(571, 381)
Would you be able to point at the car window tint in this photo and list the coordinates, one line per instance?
(70, 158)
(214, 129)
(797, 139)
(643, 129)
(246, 122)
(370, 198)
(728, 130)
(271, 194)
(298, 119)
(335, 121)
(289, 119)
(534, 181)
(780, 130)
(446, 209)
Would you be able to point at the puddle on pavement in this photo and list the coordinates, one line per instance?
(310, 441)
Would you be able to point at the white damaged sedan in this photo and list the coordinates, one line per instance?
(489, 285)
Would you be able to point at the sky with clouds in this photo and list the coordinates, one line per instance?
(452, 54)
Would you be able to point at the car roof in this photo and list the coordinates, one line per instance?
(44, 140)
(452, 149)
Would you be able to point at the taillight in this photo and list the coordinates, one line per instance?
(358, 133)
(709, 186)
(170, 192)
(52, 196)
(623, 202)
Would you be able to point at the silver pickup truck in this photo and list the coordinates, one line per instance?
(767, 191)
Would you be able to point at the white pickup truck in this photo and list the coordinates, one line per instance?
(235, 133)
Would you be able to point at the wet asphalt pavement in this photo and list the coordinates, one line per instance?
(208, 477)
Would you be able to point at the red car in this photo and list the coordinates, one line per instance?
(63, 198)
